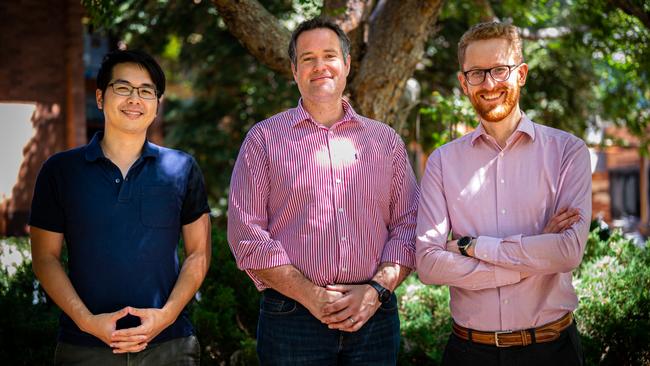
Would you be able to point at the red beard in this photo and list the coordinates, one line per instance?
(495, 112)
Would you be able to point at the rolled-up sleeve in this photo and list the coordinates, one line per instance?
(248, 236)
(404, 193)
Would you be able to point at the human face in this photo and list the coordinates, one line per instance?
(493, 100)
(128, 114)
(320, 70)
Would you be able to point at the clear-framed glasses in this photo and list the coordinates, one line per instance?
(126, 90)
(498, 73)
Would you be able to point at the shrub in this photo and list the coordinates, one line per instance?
(425, 321)
(225, 313)
(29, 321)
(614, 310)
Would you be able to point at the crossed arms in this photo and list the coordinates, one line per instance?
(502, 261)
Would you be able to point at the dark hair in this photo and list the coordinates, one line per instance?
(105, 73)
(316, 23)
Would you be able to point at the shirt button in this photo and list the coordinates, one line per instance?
(503, 211)
(501, 154)
(117, 180)
(338, 181)
(503, 181)
(340, 209)
(505, 301)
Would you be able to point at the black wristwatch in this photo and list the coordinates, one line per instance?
(384, 293)
(463, 244)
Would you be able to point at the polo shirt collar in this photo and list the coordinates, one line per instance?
(94, 149)
(525, 126)
(300, 114)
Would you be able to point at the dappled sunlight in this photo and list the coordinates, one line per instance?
(475, 183)
(343, 154)
(437, 229)
(16, 130)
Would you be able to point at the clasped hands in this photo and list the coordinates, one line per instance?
(129, 340)
(344, 307)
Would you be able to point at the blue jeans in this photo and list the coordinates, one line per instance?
(175, 352)
(287, 334)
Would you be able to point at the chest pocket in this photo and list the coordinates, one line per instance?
(160, 207)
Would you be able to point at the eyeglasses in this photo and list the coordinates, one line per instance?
(498, 73)
(126, 90)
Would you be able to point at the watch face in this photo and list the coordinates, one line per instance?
(464, 241)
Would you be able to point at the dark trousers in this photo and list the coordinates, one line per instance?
(176, 352)
(287, 334)
(564, 351)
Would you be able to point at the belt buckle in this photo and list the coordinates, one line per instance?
(496, 339)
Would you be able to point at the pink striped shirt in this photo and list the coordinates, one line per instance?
(334, 203)
(505, 197)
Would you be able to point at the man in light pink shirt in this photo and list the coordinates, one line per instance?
(322, 215)
(516, 197)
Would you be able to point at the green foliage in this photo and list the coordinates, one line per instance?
(29, 322)
(614, 311)
(442, 116)
(225, 314)
(591, 52)
(425, 321)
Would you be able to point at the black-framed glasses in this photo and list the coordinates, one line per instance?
(126, 90)
(498, 73)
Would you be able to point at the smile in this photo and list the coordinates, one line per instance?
(492, 96)
(321, 78)
(132, 114)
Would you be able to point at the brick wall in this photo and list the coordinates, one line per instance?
(41, 63)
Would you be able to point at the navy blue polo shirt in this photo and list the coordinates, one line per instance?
(121, 234)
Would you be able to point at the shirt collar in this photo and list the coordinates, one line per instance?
(525, 126)
(94, 149)
(300, 114)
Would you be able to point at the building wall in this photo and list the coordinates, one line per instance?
(41, 65)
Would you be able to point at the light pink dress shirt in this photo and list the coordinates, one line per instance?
(334, 202)
(519, 278)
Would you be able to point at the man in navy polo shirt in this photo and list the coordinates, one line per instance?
(121, 204)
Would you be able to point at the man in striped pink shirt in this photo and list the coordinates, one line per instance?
(502, 190)
(322, 216)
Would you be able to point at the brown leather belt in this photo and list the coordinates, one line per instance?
(545, 333)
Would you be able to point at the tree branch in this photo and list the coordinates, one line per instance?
(259, 31)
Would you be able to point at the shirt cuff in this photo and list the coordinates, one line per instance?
(487, 249)
(399, 252)
(270, 255)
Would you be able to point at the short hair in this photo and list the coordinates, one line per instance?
(491, 30)
(105, 73)
(316, 23)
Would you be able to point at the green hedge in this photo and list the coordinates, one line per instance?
(613, 284)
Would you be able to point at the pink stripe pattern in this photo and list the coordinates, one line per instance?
(333, 202)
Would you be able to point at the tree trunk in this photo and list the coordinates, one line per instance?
(395, 45)
(386, 45)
